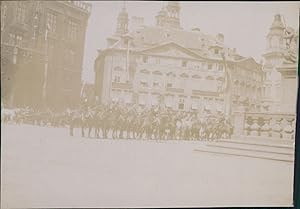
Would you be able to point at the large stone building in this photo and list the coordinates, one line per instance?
(42, 46)
(168, 66)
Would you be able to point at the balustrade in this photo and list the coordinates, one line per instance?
(269, 125)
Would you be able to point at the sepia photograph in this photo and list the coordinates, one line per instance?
(153, 104)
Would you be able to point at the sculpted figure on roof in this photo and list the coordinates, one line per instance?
(291, 37)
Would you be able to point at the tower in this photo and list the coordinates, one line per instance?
(272, 59)
(122, 22)
(173, 10)
(169, 15)
(275, 42)
(161, 17)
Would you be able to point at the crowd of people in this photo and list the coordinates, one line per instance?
(121, 121)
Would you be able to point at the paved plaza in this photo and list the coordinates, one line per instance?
(45, 167)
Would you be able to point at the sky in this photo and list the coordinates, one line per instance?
(244, 24)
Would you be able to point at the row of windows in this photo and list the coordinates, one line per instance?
(185, 63)
(72, 27)
(20, 13)
(15, 39)
(51, 22)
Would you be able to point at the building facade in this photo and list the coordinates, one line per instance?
(42, 46)
(168, 66)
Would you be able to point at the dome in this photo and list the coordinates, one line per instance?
(123, 13)
(277, 23)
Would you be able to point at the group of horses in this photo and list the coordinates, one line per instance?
(127, 122)
(123, 122)
(34, 117)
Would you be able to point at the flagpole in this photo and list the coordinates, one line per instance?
(45, 69)
(127, 60)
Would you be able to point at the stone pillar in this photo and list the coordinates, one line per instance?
(238, 123)
(289, 88)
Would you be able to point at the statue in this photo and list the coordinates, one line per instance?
(291, 38)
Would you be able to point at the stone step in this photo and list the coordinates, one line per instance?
(246, 153)
(254, 148)
(260, 142)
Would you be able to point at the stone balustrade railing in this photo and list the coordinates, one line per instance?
(273, 125)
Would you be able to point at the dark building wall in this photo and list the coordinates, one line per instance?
(49, 30)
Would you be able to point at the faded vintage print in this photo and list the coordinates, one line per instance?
(148, 103)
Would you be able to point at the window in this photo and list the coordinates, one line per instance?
(169, 85)
(117, 79)
(51, 22)
(19, 40)
(72, 56)
(184, 63)
(209, 66)
(144, 83)
(220, 67)
(157, 61)
(20, 13)
(181, 104)
(3, 16)
(12, 38)
(72, 30)
(155, 84)
(69, 56)
(145, 59)
(216, 51)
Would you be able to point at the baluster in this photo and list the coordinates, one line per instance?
(247, 126)
(266, 128)
(277, 128)
(254, 128)
(288, 130)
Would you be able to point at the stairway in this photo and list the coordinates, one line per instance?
(246, 148)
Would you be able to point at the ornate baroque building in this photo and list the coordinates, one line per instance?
(172, 67)
(42, 46)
